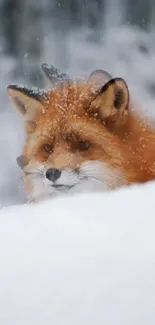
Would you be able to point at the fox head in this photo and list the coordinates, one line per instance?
(71, 133)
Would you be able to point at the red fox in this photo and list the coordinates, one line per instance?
(82, 136)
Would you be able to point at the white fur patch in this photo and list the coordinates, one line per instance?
(91, 176)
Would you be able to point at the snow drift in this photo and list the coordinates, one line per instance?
(89, 259)
(85, 259)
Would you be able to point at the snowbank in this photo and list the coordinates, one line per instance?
(83, 260)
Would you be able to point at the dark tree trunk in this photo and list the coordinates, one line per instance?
(10, 11)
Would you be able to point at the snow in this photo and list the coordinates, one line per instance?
(86, 259)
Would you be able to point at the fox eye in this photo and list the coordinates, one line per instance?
(83, 145)
(48, 147)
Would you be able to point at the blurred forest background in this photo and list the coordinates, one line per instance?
(77, 36)
(25, 25)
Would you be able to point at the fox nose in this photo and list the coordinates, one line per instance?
(53, 174)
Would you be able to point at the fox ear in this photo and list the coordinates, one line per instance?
(27, 101)
(53, 75)
(99, 78)
(111, 103)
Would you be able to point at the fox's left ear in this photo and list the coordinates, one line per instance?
(28, 101)
(111, 102)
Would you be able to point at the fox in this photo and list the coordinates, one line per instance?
(82, 135)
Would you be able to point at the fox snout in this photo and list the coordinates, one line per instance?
(52, 174)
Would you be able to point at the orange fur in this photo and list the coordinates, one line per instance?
(116, 135)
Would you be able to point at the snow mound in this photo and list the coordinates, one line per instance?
(85, 259)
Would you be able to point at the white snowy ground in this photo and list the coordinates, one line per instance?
(88, 259)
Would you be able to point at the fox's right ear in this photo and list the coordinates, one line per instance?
(111, 103)
(29, 102)
(99, 78)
